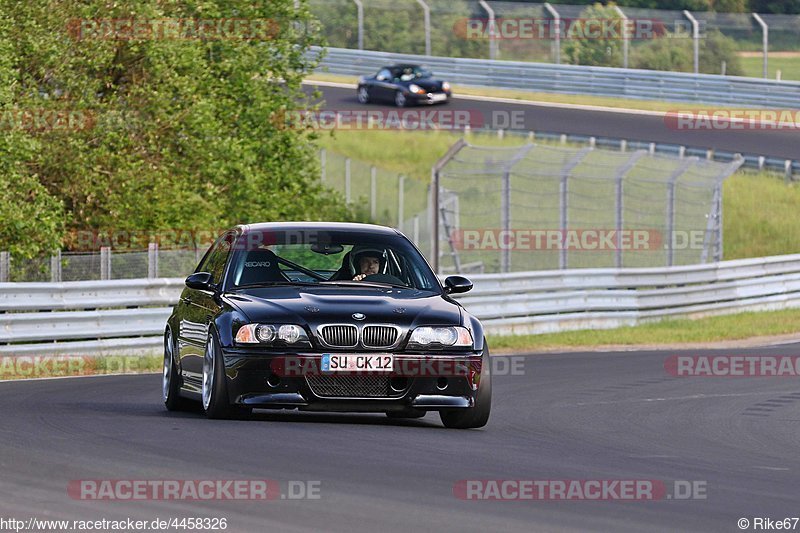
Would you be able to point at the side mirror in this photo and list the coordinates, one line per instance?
(200, 281)
(457, 284)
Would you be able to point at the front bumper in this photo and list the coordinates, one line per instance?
(293, 381)
(429, 98)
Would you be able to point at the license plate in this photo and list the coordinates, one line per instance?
(357, 362)
(438, 97)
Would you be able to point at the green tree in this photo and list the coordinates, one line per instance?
(186, 132)
(604, 51)
(676, 53)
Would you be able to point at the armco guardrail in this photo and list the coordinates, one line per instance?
(575, 79)
(92, 317)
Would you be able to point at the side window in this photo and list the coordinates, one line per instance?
(384, 74)
(214, 261)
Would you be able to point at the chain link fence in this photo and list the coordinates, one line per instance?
(537, 207)
(439, 28)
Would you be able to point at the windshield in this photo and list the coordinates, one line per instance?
(309, 257)
(412, 73)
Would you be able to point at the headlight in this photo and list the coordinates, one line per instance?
(414, 88)
(445, 336)
(445, 86)
(271, 334)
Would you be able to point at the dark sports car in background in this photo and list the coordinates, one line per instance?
(404, 85)
(324, 316)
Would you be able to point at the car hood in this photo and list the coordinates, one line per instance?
(325, 305)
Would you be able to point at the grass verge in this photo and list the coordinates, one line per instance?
(665, 333)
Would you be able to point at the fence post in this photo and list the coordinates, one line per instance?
(625, 36)
(505, 220)
(347, 180)
(105, 263)
(5, 266)
(400, 201)
(360, 8)
(695, 38)
(623, 170)
(563, 194)
(671, 185)
(322, 161)
(557, 23)
(426, 11)
(55, 267)
(416, 230)
(152, 260)
(492, 29)
(765, 42)
(373, 186)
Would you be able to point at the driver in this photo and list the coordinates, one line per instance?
(366, 261)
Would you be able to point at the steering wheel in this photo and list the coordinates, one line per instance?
(384, 278)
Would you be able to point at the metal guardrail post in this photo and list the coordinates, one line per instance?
(373, 187)
(625, 36)
(557, 21)
(695, 38)
(427, 14)
(105, 263)
(671, 184)
(347, 180)
(401, 199)
(5, 266)
(55, 267)
(152, 260)
(492, 29)
(360, 8)
(416, 230)
(764, 40)
(563, 207)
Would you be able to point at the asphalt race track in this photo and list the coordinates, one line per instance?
(574, 416)
(641, 127)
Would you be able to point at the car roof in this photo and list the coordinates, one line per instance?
(317, 226)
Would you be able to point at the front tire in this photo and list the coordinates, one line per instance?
(478, 415)
(363, 95)
(214, 394)
(170, 379)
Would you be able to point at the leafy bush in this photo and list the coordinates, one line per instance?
(677, 54)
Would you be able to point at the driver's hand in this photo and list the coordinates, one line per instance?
(359, 277)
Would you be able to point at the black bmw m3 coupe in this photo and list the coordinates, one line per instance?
(326, 317)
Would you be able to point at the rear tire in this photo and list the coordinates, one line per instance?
(478, 415)
(214, 395)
